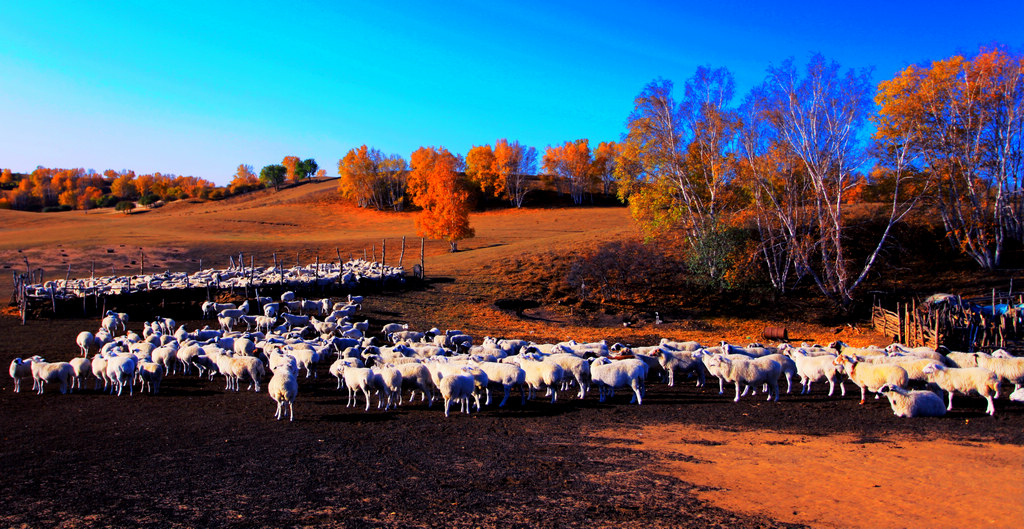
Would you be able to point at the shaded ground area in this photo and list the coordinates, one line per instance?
(196, 455)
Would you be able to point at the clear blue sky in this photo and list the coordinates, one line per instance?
(196, 88)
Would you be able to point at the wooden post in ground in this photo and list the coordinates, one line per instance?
(23, 304)
(373, 252)
(92, 271)
(142, 262)
(383, 252)
(423, 269)
(67, 277)
(401, 255)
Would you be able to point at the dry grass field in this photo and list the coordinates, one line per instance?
(196, 456)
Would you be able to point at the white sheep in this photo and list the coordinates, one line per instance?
(293, 320)
(186, 357)
(815, 369)
(749, 371)
(1007, 369)
(357, 379)
(392, 328)
(508, 375)
(914, 403)
(542, 374)
(685, 362)
(961, 359)
(458, 387)
(871, 377)
(1017, 395)
(99, 371)
(388, 383)
(965, 380)
(85, 340)
(915, 367)
(283, 388)
(608, 375)
(337, 369)
(121, 372)
(577, 367)
(22, 369)
(416, 377)
(43, 372)
(151, 374)
(82, 368)
(247, 368)
(718, 369)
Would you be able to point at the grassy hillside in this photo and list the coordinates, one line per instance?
(519, 259)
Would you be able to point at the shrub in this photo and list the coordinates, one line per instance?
(148, 199)
(125, 206)
(106, 201)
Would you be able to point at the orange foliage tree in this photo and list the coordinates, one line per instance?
(962, 121)
(604, 164)
(371, 178)
(435, 186)
(571, 164)
(480, 168)
(291, 164)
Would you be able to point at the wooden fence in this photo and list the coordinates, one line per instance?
(979, 323)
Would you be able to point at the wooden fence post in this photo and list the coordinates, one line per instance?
(383, 252)
(401, 256)
(423, 270)
(67, 278)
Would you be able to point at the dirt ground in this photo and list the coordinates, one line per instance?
(198, 456)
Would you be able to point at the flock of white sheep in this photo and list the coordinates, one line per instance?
(290, 338)
(349, 274)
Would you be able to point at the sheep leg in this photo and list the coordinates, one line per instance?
(447, 403)
(737, 399)
(638, 397)
(950, 407)
(991, 409)
(863, 394)
(789, 383)
(671, 377)
(277, 414)
(721, 386)
(508, 390)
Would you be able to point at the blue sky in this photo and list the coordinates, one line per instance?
(196, 88)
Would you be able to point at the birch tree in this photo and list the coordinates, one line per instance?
(961, 120)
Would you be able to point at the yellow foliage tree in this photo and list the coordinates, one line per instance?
(245, 179)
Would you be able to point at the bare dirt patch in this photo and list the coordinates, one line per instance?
(842, 481)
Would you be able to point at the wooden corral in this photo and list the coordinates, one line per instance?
(977, 323)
